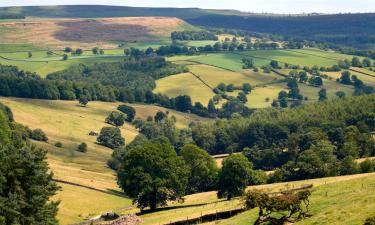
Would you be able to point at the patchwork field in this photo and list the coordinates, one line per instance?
(68, 123)
(87, 33)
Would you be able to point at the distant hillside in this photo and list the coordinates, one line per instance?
(97, 11)
(356, 30)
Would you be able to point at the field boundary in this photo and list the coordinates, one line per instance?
(88, 187)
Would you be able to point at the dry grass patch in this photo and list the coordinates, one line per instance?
(86, 33)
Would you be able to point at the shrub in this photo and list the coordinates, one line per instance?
(58, 144)
(82, 147)
(128, 111)
(111, 137)
(39, 135)
(116, 118)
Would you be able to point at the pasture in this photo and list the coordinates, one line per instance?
(332, 199)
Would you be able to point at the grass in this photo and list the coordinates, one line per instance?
(214, 76)
(78, 203)
(44, 68)
(332, 198)
(338, 200)
(184, 84)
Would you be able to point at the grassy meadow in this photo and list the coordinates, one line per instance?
(332, 198)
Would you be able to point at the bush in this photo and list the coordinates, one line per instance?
(128, 111)
(82, 147)
(116, 118)
(58, 144)
(39, 135)
(111, 137)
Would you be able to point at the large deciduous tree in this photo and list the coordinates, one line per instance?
(153, 174)
(202, 166)
(234, 176)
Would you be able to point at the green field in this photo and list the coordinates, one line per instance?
(43, 66)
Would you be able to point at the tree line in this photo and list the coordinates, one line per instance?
(193, 36)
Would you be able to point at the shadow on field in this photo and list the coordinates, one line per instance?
(176, 207)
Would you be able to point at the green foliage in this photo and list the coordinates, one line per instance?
(128, 111)
(153, 174)
(26, 184)
(203, 169)
(82, 147)
(83, 100)
(39, 135)
(288, 206)
(116, 118)
(234, 176)
(58, 144)
(111, 137)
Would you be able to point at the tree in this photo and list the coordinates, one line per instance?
(128, 111)
(289, 206)
(83, 101)
(370, 221)
(274, 64)
(234, 176)
(230, 87)
(183, 103)
(101, 52)
(340, 94)
(356, 62)
(111, 137)
(345, 78)
(246, 87)
(152, 174)
(68, 49)
(82, 147)
(39, 135)
(242, 97)
(222, 87)
(95, 50)
(26, 186)
(116, 118)
(30, 54)
(247, 63)
(366, 62)
(78, 51)
(65, 57)
(160, 116)
(322, 94)
(203, 169)
(211, 107)
(127, 52)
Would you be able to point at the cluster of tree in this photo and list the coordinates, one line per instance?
(356, 62)
(193, 36)
(111, 137)
(5, 16)
(26, 184)
(360, 87)
(135, 74)
(73, 52)
(21, 84)
(152, 173)
(97, 50)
